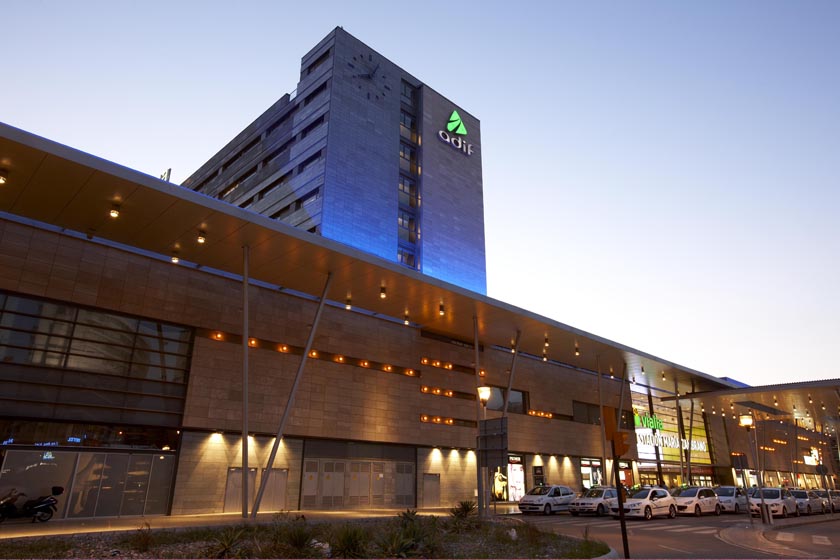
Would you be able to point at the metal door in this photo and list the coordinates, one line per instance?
(233, 489)
(431, 490)
(274, 498)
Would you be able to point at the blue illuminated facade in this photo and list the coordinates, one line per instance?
(361, 154)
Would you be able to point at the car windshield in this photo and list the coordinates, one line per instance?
(594, 493)
(539, 491)
(641, 494)
(799, 493)
(725, 491)
(769, 494)
(685, 492)
(821, 493)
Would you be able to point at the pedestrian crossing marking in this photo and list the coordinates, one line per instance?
(819, 539)
(685, 529)
(784, 537)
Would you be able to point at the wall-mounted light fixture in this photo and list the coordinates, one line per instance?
(405, 319)
(577, 350)
(348, 304)
(115, 211)
(201, 238)
(441, 310)
(4, 176)
(383, 293)
(174, 259)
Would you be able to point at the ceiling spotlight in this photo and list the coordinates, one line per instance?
(545, 357)
(441, 310)
(202, 238)
(810, 400)
(577, 350)
(775, 401)
(546, 342)
(643, 369)
(115, 211)
(383, 293)
(175, 259)
(663, 376)
(4, 176)
(405, 319)
(348, 304)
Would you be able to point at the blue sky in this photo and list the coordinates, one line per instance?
(663, 174)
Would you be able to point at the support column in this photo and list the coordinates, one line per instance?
(656, 447)
(512, 370)
(245, 339)
(479, 464)
(291, 400)
(601, 419)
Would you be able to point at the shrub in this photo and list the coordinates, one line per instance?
(142, 539)
(464, 510)
(349, 541)
(225, 543)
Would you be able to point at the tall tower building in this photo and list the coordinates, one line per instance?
(365, 154)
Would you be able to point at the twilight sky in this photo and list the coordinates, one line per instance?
(663, 174)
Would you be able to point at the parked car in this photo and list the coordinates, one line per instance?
(547, 499)
(696, 500)
(834, 500)
(826, 500)
(648, 503)
(780, 501)
(596, 500)
(807, 502)
(732, 498)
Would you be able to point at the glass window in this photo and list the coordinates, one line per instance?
(407, 93)
(408, 158)
(90, 340)
(515, 405)
(408, 192)
(408, 227)
(406, 257)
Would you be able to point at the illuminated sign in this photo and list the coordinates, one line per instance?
(455, 129)
(673, 442)
(648, 421)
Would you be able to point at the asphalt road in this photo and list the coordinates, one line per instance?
(727, 536)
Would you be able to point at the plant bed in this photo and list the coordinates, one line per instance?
(461, 535)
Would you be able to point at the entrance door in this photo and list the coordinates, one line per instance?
(431, 490)
(274, 498)
(233, 489)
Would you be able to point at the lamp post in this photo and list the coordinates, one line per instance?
(484, 393)
(747, 421)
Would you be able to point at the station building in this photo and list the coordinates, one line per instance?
(155, 339)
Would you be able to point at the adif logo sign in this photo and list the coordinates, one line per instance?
(455, 130)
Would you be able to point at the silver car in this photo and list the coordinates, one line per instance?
(807, 502)
(732, 498)
(595, 500)
(696, 500)
(546, 499)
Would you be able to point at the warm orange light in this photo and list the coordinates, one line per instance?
(339, 359)
(217, 336)
(448, 393)
(252, 342)
(313, 354)
(365, 363)
(387, 368)
(424, 389)
(284, 348)
(409, 372)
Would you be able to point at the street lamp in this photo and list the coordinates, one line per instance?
(747, 421)
(484, 393)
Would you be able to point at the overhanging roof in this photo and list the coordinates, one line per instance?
(70, 189)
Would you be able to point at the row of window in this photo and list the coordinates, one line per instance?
(408, 223)
(311, 196)
(42, 333)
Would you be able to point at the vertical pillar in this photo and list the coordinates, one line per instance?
(655, 447)
(512, 371)
(245, 338)
(479, 464)
(603, 427)
(680, 430)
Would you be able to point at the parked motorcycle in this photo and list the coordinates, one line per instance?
(40, 509)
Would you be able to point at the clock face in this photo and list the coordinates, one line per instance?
(368, 75)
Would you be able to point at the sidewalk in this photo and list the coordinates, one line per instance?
(752, 536)
(21, 528)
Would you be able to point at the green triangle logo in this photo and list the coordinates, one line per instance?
(456, 125)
